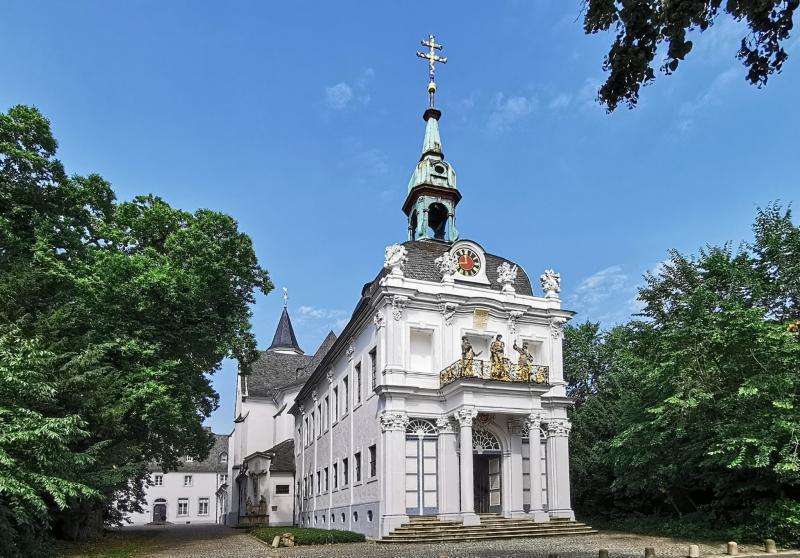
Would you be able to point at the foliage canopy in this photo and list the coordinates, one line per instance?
(113, 316)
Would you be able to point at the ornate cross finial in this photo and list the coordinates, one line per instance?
(285, 297)
(432, 59)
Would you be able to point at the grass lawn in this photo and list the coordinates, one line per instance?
(303, 535)
(115, 544)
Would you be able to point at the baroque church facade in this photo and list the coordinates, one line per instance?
(442, 398)
(444, 394)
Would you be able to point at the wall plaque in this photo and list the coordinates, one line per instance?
(480, 318)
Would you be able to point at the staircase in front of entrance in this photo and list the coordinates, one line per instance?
(428, 529)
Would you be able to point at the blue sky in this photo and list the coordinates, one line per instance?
(303, 121)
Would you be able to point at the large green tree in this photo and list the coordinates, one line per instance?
(114, 315)
(645, 27)
(697, 407)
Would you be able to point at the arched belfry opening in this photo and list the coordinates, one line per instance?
(437, 220)
(412, 225)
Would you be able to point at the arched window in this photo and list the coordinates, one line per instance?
(223, 457)
(420, 427)
(483, 440)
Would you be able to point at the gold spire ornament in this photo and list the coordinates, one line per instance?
(432, 59)
(285, 297)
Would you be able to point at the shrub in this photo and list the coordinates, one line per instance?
(305, 535)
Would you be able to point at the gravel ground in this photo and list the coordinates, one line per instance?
(217, 541)
(618, 545)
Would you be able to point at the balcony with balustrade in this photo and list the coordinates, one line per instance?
(502, 372)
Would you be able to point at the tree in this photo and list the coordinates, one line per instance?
(696, 410)
(643, 26)
(134, 304)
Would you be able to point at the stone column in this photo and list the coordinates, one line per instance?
(393, 426)
(536, 512)
(512, 484)
(465, 416)
(446, 473)
(559, 505)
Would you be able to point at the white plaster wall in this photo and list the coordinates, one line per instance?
(283, 515)
(204, 485)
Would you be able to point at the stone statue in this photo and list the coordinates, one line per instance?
(498, 362)
(524, 362)
(506, 275)
(551, 283)
(468, 355)
(447, 264)
(394, 258)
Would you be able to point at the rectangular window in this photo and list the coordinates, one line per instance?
(187, 480)
(345, 472)
(202, 506)
(223, 457)
(305, 438)
(327, 410)
(335, 404)
(373, 368)
(335, 476)
(326, 479)
(319, 483)
(358, 383)
(189, 459)
(183, 506)
(357, 465)
(313, 432)
(158, 480)
(223, 478)
(373, 461)
(346, 394)
(281, 489)
(321, 419)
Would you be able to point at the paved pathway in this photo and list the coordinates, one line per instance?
(216, 541)
(197, 541)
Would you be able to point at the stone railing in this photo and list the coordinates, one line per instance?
(507, 372)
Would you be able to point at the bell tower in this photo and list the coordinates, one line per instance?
(432, 194)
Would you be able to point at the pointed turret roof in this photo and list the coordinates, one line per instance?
(284, 340)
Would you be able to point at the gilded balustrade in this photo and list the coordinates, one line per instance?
(507, 372)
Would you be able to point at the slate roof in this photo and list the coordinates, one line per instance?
(284, 334)
(420, 265)
(283, 461)
(211, 464)
(273, 370)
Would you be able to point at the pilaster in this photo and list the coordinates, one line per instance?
(536, 511)
(559, 505)
(449, 497)
(513, 489)
(465, 416)
(393, 427)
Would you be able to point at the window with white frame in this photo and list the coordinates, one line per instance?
(335, 404)
(158, 480)
(373, 461)
(187, 480)
(326, 409)
(183, 506)
(202, 506)
(189, 459)
(358, 383)
(357, 466)
(282, 489)
(223, 478)
(321, 420)
(345, 472)
(373, 368)
(223, 457)
(345, 394)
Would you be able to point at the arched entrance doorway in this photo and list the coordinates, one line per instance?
(160, 511)
(486, 472)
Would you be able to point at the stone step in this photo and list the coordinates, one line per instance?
(484, 529)
(393, 539)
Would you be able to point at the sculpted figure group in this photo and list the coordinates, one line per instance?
(499, 366)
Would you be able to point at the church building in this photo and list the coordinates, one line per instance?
(444, 396)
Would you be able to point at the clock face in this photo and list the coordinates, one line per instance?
(469, 263)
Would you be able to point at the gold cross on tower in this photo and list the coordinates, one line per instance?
(432, 59)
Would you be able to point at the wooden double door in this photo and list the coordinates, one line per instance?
(487, 483)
